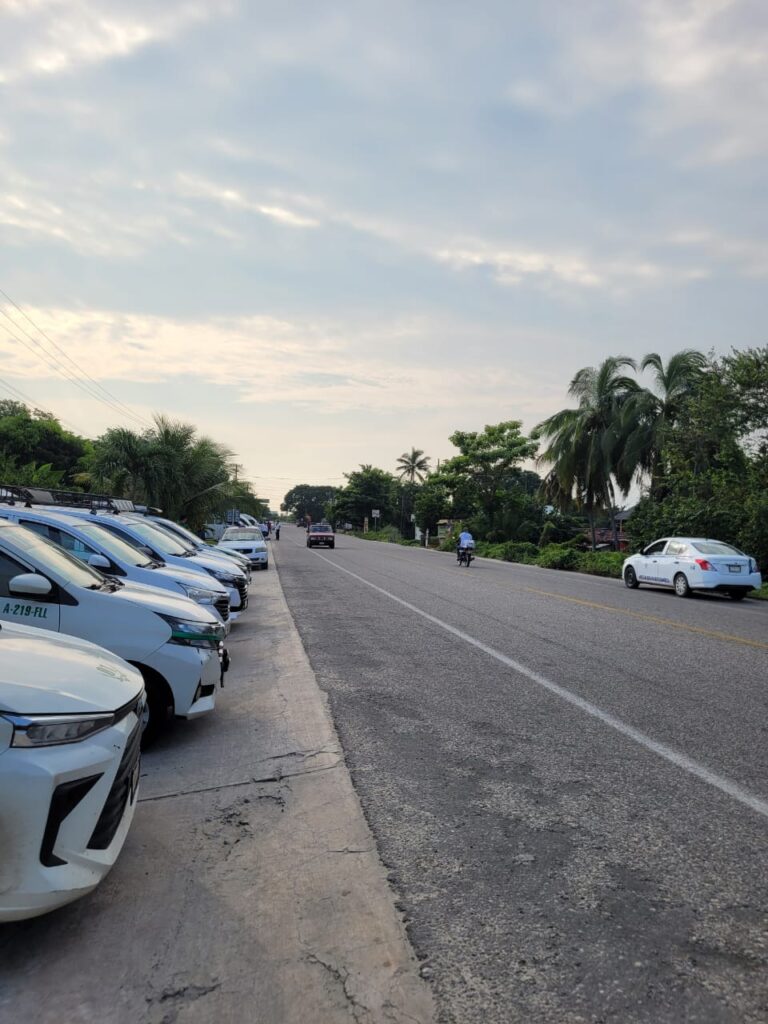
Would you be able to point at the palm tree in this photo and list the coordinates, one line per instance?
(413, 466)
(651, 412)
(585, 444)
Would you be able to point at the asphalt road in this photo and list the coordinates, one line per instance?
(567, 781)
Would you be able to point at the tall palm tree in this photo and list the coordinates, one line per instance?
(413, 466)
(651, 412)
(584, 445)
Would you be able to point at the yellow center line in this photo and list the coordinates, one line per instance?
(657, 619)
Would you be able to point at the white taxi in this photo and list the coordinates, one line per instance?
(70, 731)
(248, 541)
(693, 563)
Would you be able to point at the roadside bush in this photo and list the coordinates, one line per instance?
(520, 551)
(601, 563)
(554, 556)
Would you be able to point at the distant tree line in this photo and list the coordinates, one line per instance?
(692, 442)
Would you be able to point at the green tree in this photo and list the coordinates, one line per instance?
(650, 413)
(309, 500)
(584, 445)
(484, 464)
(367, 489)
(37, 438)
(413, 466)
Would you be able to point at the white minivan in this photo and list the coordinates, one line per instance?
(114, 556)
(176, 644)
(70, 732)
(160, 545)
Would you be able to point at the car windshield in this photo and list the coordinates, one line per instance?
(117, 548)
(160, 539)
(715, 547)
(181, 531)
(242, 535)
(50, 558)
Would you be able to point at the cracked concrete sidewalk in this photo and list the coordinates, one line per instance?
(249, 890)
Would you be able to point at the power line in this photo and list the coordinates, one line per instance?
(107, 397)
(57, 366)
(17, 393)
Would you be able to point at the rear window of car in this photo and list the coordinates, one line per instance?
(715, 547)
(320, 528)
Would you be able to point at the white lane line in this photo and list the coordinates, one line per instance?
(700, 771)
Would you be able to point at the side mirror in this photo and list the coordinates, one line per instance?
(30, 584)
(99, 561)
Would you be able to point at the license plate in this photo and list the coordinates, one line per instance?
(734, 568)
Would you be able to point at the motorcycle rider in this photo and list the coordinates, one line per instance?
(466, 542)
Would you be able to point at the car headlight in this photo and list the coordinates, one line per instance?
(223, 577)
(199, 594)
(53, 730)
(195, 634)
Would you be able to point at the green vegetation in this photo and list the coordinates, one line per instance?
(308, 500)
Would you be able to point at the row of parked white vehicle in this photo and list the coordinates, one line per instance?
(113, 621)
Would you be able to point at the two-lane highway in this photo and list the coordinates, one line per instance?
(568, 781)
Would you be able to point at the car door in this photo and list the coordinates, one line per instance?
(652, 566)
(43, 612)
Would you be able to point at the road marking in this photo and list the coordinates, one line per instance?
(658, 620)
(713, 633)
(675, 757)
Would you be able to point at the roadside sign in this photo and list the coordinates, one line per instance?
(376, 513)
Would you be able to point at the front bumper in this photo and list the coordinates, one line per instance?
(50, 858)
(192, 674)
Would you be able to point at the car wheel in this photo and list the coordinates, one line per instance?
(682, 587)
(158, 710)
(331, 545)
(738, 594)
(630, 578)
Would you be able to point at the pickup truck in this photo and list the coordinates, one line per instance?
(320, 534)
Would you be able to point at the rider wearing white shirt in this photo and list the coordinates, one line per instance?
(465, 541)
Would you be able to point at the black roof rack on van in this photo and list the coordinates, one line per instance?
(10, 494)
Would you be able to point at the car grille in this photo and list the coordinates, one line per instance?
(221, 604)
(119, 794)
(242, 589)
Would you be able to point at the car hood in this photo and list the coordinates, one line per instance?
(164, 602)
(190, 578)
(52, 674)
(216, 564)
(259, 545)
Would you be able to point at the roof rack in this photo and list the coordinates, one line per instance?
(10, 494)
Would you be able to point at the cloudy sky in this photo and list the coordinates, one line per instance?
(328, 232)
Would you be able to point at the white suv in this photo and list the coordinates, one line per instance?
(70, 731)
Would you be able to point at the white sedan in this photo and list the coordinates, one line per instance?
(248, 541)
(693, 563)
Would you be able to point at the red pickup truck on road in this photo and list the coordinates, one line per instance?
(320, 533)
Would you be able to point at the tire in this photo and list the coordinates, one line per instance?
(159, 708)
(630, 578)
(265, 565)
(738, 594)
(332, 545)
(681, 585)
(469, 560)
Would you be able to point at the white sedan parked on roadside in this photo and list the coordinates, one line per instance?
(693, 563)
(248, 541)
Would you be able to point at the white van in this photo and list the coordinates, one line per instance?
(70, 731)
(177, 645)
(114, 556)
(187, 537)
(163, 547)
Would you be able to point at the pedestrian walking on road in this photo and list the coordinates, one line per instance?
(277, 531)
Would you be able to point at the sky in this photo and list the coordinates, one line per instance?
(326, 233)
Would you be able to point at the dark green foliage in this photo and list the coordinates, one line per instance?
(555, 556)
(29, 440)
(308, 500)
(516, 551)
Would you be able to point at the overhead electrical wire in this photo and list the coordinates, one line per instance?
(94, 390)
(18, 393)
